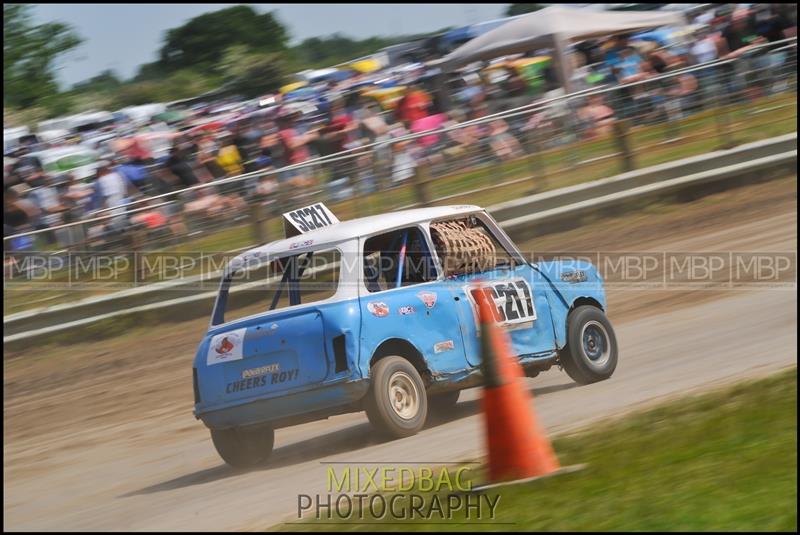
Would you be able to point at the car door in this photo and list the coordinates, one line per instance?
(418, 309)
(516, 292)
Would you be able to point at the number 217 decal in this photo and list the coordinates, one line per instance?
(512, 301)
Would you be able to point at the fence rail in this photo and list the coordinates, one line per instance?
(533, 214)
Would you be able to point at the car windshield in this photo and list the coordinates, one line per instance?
(290, 280)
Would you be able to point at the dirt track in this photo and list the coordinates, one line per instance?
(100, 435)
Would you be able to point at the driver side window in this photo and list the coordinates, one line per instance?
(396, 259)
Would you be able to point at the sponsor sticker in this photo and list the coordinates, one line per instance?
(405, 311)
(225, 347)
(261, 370)
(298, 244)
(574, 276)
(378, 309)
(429, 298)
(262, 380)
(447, 345)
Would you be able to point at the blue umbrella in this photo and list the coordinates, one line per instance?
(662, 36)
(340, 75)
(303, 93)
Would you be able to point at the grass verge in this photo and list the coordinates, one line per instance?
(720, 461)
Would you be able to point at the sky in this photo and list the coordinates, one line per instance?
(123, 36)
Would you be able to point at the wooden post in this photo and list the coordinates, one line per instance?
(722, 121)
(623, 144)
(538, 173)
(382, 173)
(256, 219)
(137, 242)
(421, 179)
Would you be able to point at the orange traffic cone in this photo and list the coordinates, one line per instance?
(518, 448)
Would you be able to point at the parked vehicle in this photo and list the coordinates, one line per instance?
(76, 159)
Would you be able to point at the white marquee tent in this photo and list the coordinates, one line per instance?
(553, 27)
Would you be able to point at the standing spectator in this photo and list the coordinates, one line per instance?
(269, 147)
(629, 65)
(111, 189)
(339, 131)
(597, 116)
(704, 48)
(229, 157)
(294, 148)
(429, 145)
(77, 197)
(48, 201)
(338, 135)
(18, 215)
(739, 36)
(504, 145)
(207, 155)
(178, 164)
(772, 22)
(414, 104)
(134, 171)
(373, 129)
(613, 55)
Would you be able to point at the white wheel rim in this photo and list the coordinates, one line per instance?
(596, 344)
(403, 395)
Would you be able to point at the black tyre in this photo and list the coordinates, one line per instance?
(444, 403)
(244, 447)
(396, 402)
(591, 351)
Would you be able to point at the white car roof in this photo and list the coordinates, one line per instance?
(355, 228)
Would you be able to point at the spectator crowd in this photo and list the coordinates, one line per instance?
(111, 164)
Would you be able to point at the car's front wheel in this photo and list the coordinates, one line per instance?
(396, 403)
(591, 351)
(244, 447)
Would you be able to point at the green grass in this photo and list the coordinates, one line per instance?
(725, 460)
(560, 167)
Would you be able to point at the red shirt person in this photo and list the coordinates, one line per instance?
(414, 105)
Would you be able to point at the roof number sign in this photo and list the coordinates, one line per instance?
(309, 218)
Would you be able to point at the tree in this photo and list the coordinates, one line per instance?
(202, 42)
(104, 82)
(520, 9)
(179, 85)
(251, 74)
(29, 55)
(327, 51)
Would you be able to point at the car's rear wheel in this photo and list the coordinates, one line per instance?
(591, 351)
(244, 447)
(396, 402)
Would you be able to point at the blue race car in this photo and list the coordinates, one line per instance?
(376, 314)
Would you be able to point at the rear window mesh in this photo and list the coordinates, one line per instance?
(463, 248)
